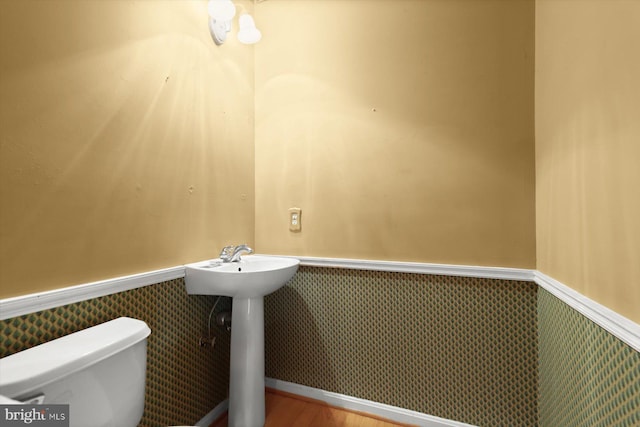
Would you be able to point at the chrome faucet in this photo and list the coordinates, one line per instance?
(232, 253)
(235, 257)
(226, 253)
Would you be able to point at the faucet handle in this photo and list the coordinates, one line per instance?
(226, 253)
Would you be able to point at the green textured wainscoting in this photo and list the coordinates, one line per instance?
(184, 381)
(588, 377)
(482, 351)
(455, 347)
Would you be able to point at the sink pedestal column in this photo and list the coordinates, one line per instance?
(246, 377)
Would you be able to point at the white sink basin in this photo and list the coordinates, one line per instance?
(252, 276)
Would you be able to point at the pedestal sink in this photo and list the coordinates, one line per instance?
(247, 282)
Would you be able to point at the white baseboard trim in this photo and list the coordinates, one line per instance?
(215, 413)
(382, 410)
(25, 304)
(624, 329)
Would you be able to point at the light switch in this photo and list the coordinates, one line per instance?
(295, 219)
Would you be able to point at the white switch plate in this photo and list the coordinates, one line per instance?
(295, 219)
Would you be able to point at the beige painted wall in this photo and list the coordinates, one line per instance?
(126, 140)
(588, 148)
(402, 128)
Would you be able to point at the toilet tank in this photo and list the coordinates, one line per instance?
(98, 371)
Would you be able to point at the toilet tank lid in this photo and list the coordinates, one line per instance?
(35, 367)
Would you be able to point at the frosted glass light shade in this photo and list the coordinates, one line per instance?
(248, 33)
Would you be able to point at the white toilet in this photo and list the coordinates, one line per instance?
(98, 371)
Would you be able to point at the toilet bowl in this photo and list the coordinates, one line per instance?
(99, 372)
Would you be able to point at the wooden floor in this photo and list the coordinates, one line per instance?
(289, 410)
